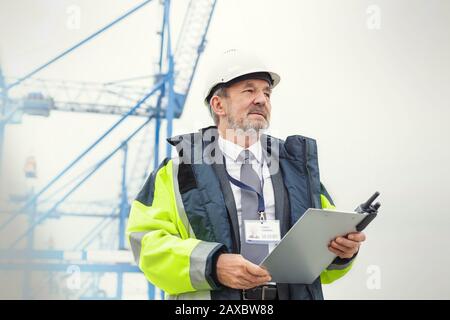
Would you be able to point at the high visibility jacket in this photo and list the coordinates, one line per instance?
(185, 215)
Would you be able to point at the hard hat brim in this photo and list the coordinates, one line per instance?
(269, 76)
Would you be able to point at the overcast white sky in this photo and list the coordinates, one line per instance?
(376, 100)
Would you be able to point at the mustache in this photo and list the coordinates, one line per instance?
(259, 110)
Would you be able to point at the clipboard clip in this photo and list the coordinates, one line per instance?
(371, 210)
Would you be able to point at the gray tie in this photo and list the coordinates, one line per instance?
(249, 204)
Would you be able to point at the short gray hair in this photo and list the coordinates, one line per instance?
(221, 92)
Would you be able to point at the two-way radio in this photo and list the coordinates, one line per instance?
(369, 209)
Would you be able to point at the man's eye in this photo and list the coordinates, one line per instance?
(267, 95)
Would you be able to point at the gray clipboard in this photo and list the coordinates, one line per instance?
(302, 254)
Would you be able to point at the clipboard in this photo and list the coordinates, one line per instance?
(302, 254)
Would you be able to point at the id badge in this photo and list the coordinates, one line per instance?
(262, 232)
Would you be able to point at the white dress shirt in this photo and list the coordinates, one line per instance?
(231, 152)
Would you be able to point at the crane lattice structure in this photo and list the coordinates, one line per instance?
(164, 100)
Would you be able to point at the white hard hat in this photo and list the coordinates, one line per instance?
(235, 64)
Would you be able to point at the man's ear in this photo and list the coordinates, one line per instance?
(217, 105)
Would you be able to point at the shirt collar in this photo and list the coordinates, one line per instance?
(232, 150)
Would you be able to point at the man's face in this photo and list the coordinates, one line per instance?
(247, 105)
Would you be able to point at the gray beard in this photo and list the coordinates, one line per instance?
(247, 125)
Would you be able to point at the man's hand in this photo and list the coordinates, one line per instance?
(234, 271)
(348, 246)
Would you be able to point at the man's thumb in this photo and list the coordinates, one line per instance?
(256, 270)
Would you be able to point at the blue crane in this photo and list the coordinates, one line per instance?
(164, 101)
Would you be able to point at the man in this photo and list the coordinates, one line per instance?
(187, 227)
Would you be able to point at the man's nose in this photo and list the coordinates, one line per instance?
(260, 98)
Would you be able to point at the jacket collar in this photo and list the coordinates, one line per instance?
(202, 146)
